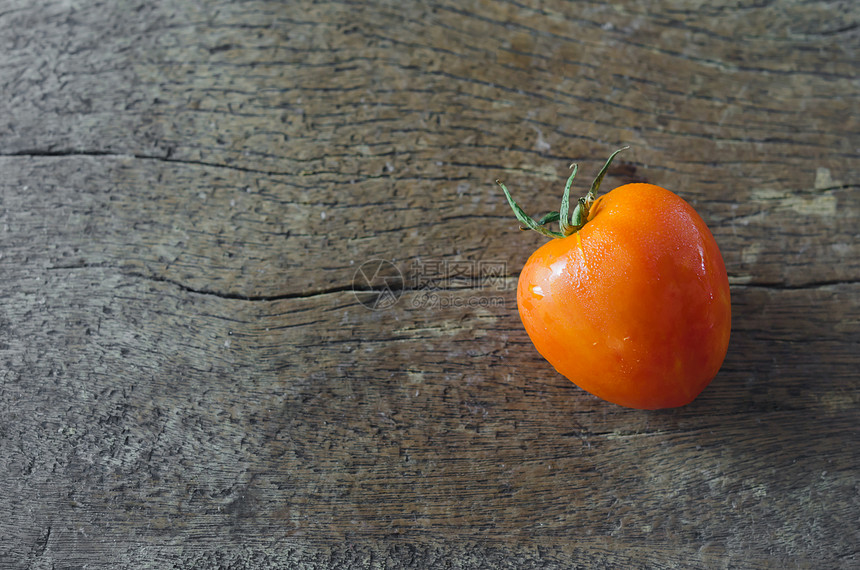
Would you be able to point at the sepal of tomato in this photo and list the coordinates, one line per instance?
(633, 305)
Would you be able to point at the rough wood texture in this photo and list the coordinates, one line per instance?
(187, 189)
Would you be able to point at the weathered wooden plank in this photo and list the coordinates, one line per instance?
(234, 232)
(167, 415)
(304, 106)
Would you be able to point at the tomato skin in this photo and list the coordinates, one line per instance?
(635, 306)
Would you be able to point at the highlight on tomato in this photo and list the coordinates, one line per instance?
(630, 298)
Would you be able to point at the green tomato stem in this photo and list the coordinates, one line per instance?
(568, 224)
(592, 194)
(524, 218)
(548, 218)
(563, 219)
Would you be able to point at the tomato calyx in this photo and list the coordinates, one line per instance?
(568, 223)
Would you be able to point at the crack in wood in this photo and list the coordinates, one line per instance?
(71, 153)
(398, 287)
(796, 287)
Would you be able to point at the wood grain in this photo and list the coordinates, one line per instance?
(188, 380)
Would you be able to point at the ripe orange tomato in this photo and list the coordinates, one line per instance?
(631, 300)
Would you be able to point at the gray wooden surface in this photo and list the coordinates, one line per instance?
(188, 380)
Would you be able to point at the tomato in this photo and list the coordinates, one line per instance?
(630, 299)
